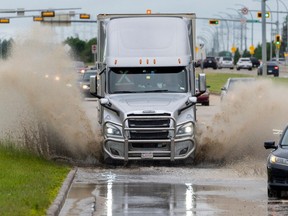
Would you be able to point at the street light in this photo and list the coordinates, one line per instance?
(241, 29)
(228, 31)
(252, 24)
(233, 27)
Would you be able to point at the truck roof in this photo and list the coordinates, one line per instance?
(147, 40)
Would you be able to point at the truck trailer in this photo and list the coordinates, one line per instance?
(145, 85)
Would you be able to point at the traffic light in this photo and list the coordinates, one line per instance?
(259, 14)
(84, 16)
(4, 20)
(214, 22)
(278, 39)
(38, 18)
(48, 13)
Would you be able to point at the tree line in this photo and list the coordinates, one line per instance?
(81, 50)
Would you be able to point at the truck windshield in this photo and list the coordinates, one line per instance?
(140, 80)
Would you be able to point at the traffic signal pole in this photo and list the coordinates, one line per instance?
(264, 45)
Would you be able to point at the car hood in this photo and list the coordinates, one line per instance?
(281, 152)
(148, 103)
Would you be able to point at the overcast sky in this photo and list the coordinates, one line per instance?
(203, 9)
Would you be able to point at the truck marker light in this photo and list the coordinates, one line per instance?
(140, 61)
(115, 62)
(179, 60)
(154, 61)
(147, 61)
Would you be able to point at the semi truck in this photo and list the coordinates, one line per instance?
(145, 85)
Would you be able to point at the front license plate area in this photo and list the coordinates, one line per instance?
(147, 155)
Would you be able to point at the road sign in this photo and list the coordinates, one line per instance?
(253, 21)
(243, 20)
(244, 10)
(94, 48)
(233, 49)
(252, 48)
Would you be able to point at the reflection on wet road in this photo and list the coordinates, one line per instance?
(124, 192)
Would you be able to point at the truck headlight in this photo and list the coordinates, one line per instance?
(186, 129)
(112, 130)
(277, 160)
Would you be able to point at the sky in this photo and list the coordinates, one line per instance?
(203, 9)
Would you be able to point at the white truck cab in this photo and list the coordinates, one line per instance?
(146, 86)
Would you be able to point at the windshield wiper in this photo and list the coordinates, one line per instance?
(124, 92)
(159, 90)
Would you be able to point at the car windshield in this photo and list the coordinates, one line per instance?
(137, 80)
(86, 76)
(79, 64)
(227, 59)
(284, 141)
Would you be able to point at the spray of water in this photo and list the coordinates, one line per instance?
(42, 108)
(246, 118)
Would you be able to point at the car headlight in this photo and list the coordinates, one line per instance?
(186, 129)
(112, 130)
(278, 160)
(85, 87)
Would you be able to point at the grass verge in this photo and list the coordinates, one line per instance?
(28, 184)
(216, 81)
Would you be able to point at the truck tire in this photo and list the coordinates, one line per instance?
(110, 161)
(273, 193)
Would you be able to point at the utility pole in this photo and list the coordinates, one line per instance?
(264, 45)
(277, 30)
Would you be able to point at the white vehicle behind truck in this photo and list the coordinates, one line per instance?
(145, 86)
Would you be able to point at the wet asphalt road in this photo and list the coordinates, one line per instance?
(157, 189)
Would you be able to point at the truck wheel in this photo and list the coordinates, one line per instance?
(205, 103)
(274, 193)
(110, 161)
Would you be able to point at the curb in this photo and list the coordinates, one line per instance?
(58, 203)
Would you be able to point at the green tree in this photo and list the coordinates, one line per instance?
(5, 48)
(81, 50)
(77, 47)
(236, 56)
(87, 54)
(258, 52)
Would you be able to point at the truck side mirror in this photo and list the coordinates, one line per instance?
(93, 86)
(202, 82)
(96, 86)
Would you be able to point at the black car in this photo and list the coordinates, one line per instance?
(277, 165)
(255, 62)
(272, 69)
(210, 62)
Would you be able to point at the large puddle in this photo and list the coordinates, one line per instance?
(117, 194)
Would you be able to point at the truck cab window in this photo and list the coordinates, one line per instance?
(137, 80)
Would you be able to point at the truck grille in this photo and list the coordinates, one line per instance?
(144, 122)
